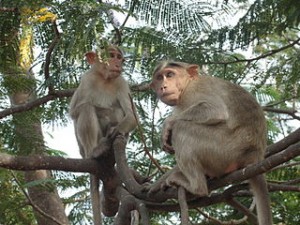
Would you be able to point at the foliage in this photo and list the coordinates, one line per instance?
(255, 45)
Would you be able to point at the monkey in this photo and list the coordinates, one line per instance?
(101, 108)
(215, 128)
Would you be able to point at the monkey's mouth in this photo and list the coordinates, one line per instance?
(166, 94)
(116, 71)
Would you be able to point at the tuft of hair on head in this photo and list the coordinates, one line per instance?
(169, 63)
(103, 52)
(106, 48)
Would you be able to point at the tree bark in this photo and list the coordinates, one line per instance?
(44, 199)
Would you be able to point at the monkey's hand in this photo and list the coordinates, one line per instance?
(167, 136)
(113, 132)
(103, 147)
(159, 185)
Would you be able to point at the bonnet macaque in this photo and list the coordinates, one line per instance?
(101, 108)
(216, 127)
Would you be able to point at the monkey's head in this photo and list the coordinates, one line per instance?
(170, 79)
(108, 63)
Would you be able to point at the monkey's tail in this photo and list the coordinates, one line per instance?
(95, 199)
(261, 194)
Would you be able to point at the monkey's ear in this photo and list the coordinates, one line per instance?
(151, 85)
(193, 70)
(91, 57)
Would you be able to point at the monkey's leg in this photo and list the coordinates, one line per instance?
(95, 198)
(260, 191)
(193, 180)
(87, 130)
(184, 208)
(161, 183)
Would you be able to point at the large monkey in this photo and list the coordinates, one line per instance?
(101, 108)
(216, 127)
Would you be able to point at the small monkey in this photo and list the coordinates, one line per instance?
(216, 127)
(101, 108)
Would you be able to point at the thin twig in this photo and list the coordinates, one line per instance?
(130, 12)
(48, 57)
(272, 52)
(143, 137)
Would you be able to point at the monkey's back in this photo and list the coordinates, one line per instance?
(240, 138)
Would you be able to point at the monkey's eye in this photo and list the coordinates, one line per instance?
(112, 55)
(169, 74)
(119, 56)
(115, 55)
(159, 77)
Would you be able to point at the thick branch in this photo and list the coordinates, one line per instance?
(250, 171)
(292, 113)
(292, 138)
(5, 9)
(37, 102)
(40, 101)
(39, 162)
(200, 202)
(36, 162)
(259, 168)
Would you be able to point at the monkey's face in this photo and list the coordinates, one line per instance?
(169, 83)
(114, 63)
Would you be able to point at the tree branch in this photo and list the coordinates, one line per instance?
(272, 52)
(259, 168)
(5, 9)
(42, 162)
(36, 103)
(54, 94)
(292, 112)
(99, 167)
(292, 138)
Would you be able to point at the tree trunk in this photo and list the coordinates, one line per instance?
(20, 85)
(43, 196)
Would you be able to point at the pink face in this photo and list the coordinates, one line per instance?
(169, 83)
(114, 63)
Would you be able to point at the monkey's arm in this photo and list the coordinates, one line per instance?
(129, 122)
(80, 96)
(73, 105)
(167, 135)
(210, 111)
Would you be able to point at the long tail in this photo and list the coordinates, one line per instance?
(95, 198)
(261, 194)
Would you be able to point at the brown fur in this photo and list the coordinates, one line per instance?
(100, 107)
(216, 127)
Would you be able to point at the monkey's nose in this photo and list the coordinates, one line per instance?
(162, 88)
